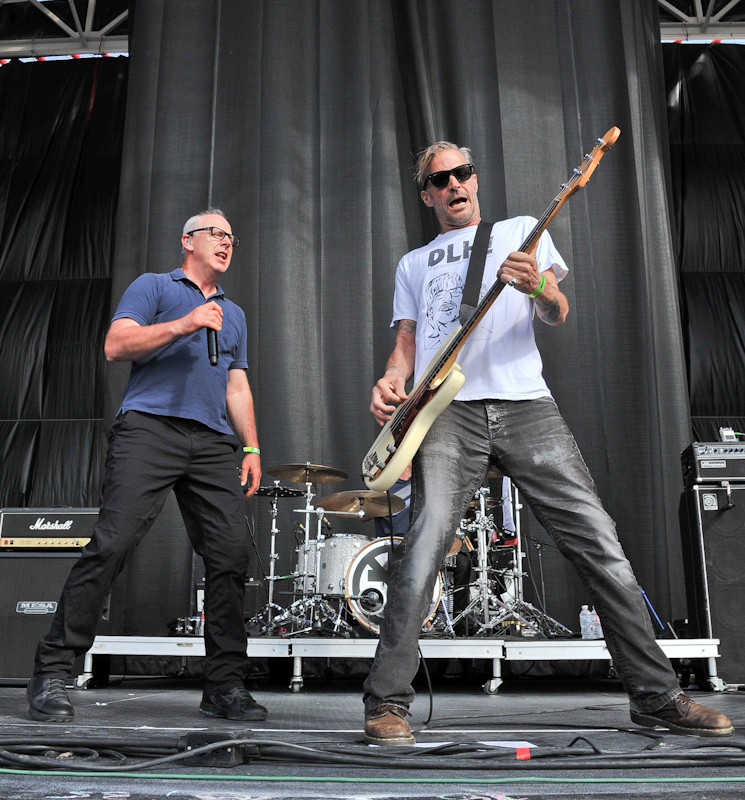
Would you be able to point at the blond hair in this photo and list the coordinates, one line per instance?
(424, 158)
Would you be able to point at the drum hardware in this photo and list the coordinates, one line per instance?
(308, 612)
(480, 607)
(548, 625)
(309, 474)
(313, 612)
(274, 492)
(492, 611)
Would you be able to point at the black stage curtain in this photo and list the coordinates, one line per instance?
(61, 128)
(300, 119)
(706, 114)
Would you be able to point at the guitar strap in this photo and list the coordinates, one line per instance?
(475, 275)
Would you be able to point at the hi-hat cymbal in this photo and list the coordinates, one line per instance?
(307, 473)
(278, 491)
(374, 504)
(494, 473)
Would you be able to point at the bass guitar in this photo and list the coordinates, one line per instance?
(401, 436)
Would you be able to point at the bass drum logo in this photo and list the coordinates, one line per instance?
(366, 584)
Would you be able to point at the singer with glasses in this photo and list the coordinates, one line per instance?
(187, 409)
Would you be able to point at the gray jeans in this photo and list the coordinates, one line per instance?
(530, 442)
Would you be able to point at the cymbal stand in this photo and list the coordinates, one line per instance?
(309, 509)
(310, 612)
(273, 555)
(271, 607)
(480, 608)
(317, 599)
(444, 623)
(534, 621)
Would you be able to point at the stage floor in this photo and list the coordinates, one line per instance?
(534, 713)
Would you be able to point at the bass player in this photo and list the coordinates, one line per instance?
(504, 415)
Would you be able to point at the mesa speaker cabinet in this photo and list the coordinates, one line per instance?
(30, 586)
(712, 522)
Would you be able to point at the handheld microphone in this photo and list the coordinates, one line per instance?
(212, 345)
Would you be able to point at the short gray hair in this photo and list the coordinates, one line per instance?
(425, 156)
(193, 222)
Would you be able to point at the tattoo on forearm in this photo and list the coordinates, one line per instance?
(549, 310)
(406, 325)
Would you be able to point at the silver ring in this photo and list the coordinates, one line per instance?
(513, 282)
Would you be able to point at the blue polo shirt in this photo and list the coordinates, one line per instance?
(178, 380)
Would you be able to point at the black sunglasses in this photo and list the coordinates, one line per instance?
(441, 179)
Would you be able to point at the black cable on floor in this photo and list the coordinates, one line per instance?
(429, 687)
(461, 756)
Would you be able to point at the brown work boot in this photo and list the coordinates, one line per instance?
(683, 715)
(386, 725)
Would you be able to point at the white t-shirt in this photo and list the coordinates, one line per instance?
(500, 359)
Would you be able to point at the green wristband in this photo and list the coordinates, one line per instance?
(252, 450)
(539, 288)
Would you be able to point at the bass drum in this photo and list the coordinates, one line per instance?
(367, 584)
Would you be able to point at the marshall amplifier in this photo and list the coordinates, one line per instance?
(46, 528)
(712, 462)
(38, 547)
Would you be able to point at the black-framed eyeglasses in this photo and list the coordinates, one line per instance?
(442, 178)
(219, 234)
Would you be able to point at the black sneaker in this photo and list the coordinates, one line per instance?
(232, 703)
(48, 700)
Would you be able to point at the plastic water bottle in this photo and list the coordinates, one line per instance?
(586, 619)
(596, 629)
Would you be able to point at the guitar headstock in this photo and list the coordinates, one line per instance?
(582, 173)
(579, 178)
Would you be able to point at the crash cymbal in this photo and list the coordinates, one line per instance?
(278, 491)
(307, 473)
(374, 504)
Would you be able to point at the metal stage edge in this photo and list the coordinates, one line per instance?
(494, 649)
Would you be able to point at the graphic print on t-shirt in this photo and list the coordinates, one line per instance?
(442, 297)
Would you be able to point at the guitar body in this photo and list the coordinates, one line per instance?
(405, 445)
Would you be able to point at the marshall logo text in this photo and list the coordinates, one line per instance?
(42, 525)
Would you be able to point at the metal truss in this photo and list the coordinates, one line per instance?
(81, 39)
(701, 20)
(691, 20)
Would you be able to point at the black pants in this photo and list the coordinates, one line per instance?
(148, 456)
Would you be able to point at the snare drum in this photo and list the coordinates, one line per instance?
(367, 584)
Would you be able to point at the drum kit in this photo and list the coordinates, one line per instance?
(340, 580)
